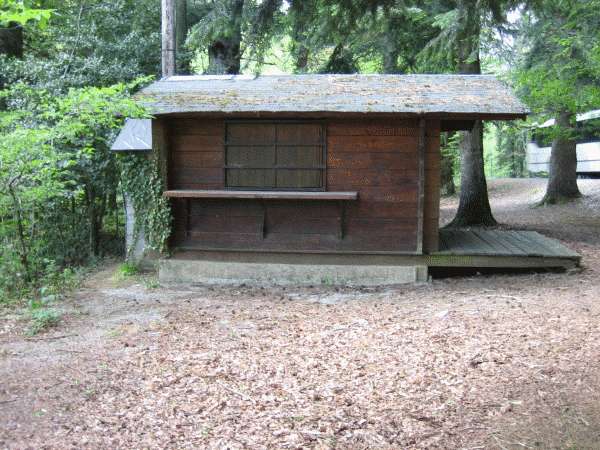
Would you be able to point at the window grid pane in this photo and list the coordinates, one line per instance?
(295, 162)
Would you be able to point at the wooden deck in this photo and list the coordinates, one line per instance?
(464, 249)
(517, 249)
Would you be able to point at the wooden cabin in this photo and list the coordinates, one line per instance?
(303, 179)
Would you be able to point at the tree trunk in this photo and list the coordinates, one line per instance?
(299, 35)
(340, 61)
(180, 35)
(94, 231)
(180, 24)
(390, 57)
(562, 181)
(11, 44)
(224, 56)
(24, 250)
(474, 206)
(11, 40)
(96, 219)
(301, 54)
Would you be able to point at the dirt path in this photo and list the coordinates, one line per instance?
(508, 361)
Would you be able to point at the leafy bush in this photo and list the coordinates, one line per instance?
(42, 319)
(56, 176)
(128, 269)
(61, 109)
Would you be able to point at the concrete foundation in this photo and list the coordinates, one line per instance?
(216, 272)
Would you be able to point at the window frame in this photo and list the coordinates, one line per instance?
(321, 167)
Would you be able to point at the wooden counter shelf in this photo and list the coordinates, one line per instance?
(264, 196)
(272, 195)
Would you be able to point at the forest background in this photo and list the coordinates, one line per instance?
(67, 68)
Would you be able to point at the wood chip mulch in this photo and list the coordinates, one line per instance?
(410, 367)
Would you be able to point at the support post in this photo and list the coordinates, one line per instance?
(421, 200)
(168, 38)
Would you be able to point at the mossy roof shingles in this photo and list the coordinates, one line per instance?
(466, 95)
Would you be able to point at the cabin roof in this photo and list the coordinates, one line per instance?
(469, 96)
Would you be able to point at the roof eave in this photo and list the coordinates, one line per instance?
(441, 115)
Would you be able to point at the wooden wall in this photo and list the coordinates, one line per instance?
(431, 222)
(379, 159)
(195, 154)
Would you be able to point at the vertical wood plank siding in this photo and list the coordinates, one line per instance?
(431, 221)
(379, 160)
(376, 158)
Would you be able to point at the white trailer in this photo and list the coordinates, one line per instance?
(588, 147)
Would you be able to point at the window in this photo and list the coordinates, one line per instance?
(275, 155)
(588, 131)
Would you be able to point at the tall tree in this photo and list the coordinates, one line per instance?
(385, 37)
(219, 31)
(93, 44)
(474, 206)
(181, 24)
(224, 52)
(561, 78)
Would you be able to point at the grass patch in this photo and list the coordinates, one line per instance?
(129, 269)
(152, 283)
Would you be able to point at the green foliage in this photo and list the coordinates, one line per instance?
(152, 283)
(141, 181)
(128, 269)
(505, 150)
(41, 320)
(559, 78)
(22, 12)
(380, 40)
(62, 108)
(449, 163)
(52, 157)
(93, 44)
(217, 20)
(562, 67)
(64, 103)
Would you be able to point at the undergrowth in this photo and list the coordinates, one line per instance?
(33, 300)
(41, 320)
(129, 270)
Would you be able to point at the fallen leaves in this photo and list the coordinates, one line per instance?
(344, 375)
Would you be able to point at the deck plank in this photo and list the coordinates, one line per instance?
(507, 242)
(535, 246)
(521, 244)
(442, 244)
(499, 245)
(459, 244)
(529, 246)
(477, 242)
(536, 243)
(550, 244)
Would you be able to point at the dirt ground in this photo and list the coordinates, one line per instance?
(501, 361)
